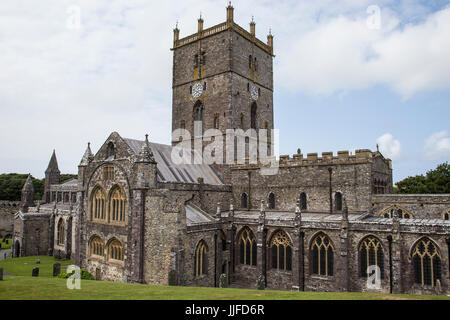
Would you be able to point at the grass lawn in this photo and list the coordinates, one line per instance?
(45, 287)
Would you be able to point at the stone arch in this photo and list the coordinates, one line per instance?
(271, 202)
(244, 200)
(426, 261)
(446, 215)
(280, 249)
(388, 212)
(96, 246)
(97, 203)
(117, 204)
(60, 231)
(370, 251)
(321, 254)
(115, 249)
(201, 258)
(246, 252)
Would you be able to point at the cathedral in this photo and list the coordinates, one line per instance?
(327, 222)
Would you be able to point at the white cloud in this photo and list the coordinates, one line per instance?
(341, 53)
(437, 146)
(389, 147)
(61, 88)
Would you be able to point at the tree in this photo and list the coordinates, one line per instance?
(434, 182)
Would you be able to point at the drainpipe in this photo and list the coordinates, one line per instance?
(330, 170)
(389, 238)
(215, 260)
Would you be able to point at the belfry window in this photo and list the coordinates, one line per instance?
(322, 255)
(271, 201)
(247, 247)
(371, 254)
(253, 115)
(200, 262)
(196, 61)
(303, 203)
(338, 201)
(426, 260)
(281, 251)
(244, 201)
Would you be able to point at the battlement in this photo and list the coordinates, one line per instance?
(326, 158)
(227, 25)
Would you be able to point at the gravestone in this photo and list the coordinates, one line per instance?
(438, 286)
(38, 261)
(35, 272)
(261, 283)
(223, 281)
(1, 273)
(56, 269)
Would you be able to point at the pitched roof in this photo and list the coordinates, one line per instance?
(171, 172)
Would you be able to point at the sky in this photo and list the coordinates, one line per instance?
(348, 75)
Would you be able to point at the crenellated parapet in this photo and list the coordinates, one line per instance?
(326, 159)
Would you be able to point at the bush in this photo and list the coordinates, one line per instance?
(85, 275)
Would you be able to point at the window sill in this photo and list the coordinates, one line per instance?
(322, 278)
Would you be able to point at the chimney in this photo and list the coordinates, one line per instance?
(252, 27)
(230, 13)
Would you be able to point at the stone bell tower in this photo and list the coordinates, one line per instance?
(222, 78)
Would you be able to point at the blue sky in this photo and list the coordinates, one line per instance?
(340, 83)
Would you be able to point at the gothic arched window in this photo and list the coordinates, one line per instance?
(371, 254)
(303, 203)
(253, 115)
(281, 251)
(96, 247)
(338, 201)
(115, 250)
(117, 206)
(247, 247)
(200, 262)
(426, 260)
(60, 233)
(244, 201)
(98, 205)
(322, 255)
(271, 201)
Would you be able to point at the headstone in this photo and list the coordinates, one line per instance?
(1, 273)
(35, 272)
(261, 283)
(223, 281)
(172, 278)
(38, 261)
(56, 269)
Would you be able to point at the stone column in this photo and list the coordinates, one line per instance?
(396, 254)
(136, 244)
(230, 239)
(297, 252)
(260, 243)
(343, 265)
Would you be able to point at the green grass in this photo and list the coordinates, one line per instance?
(45, 287)
(7, 244)
(24, 266)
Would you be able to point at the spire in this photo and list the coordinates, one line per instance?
(27, 199)
(146, 152)
(53, 164)
(87, 157)
(252, 27)
(230, 13)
